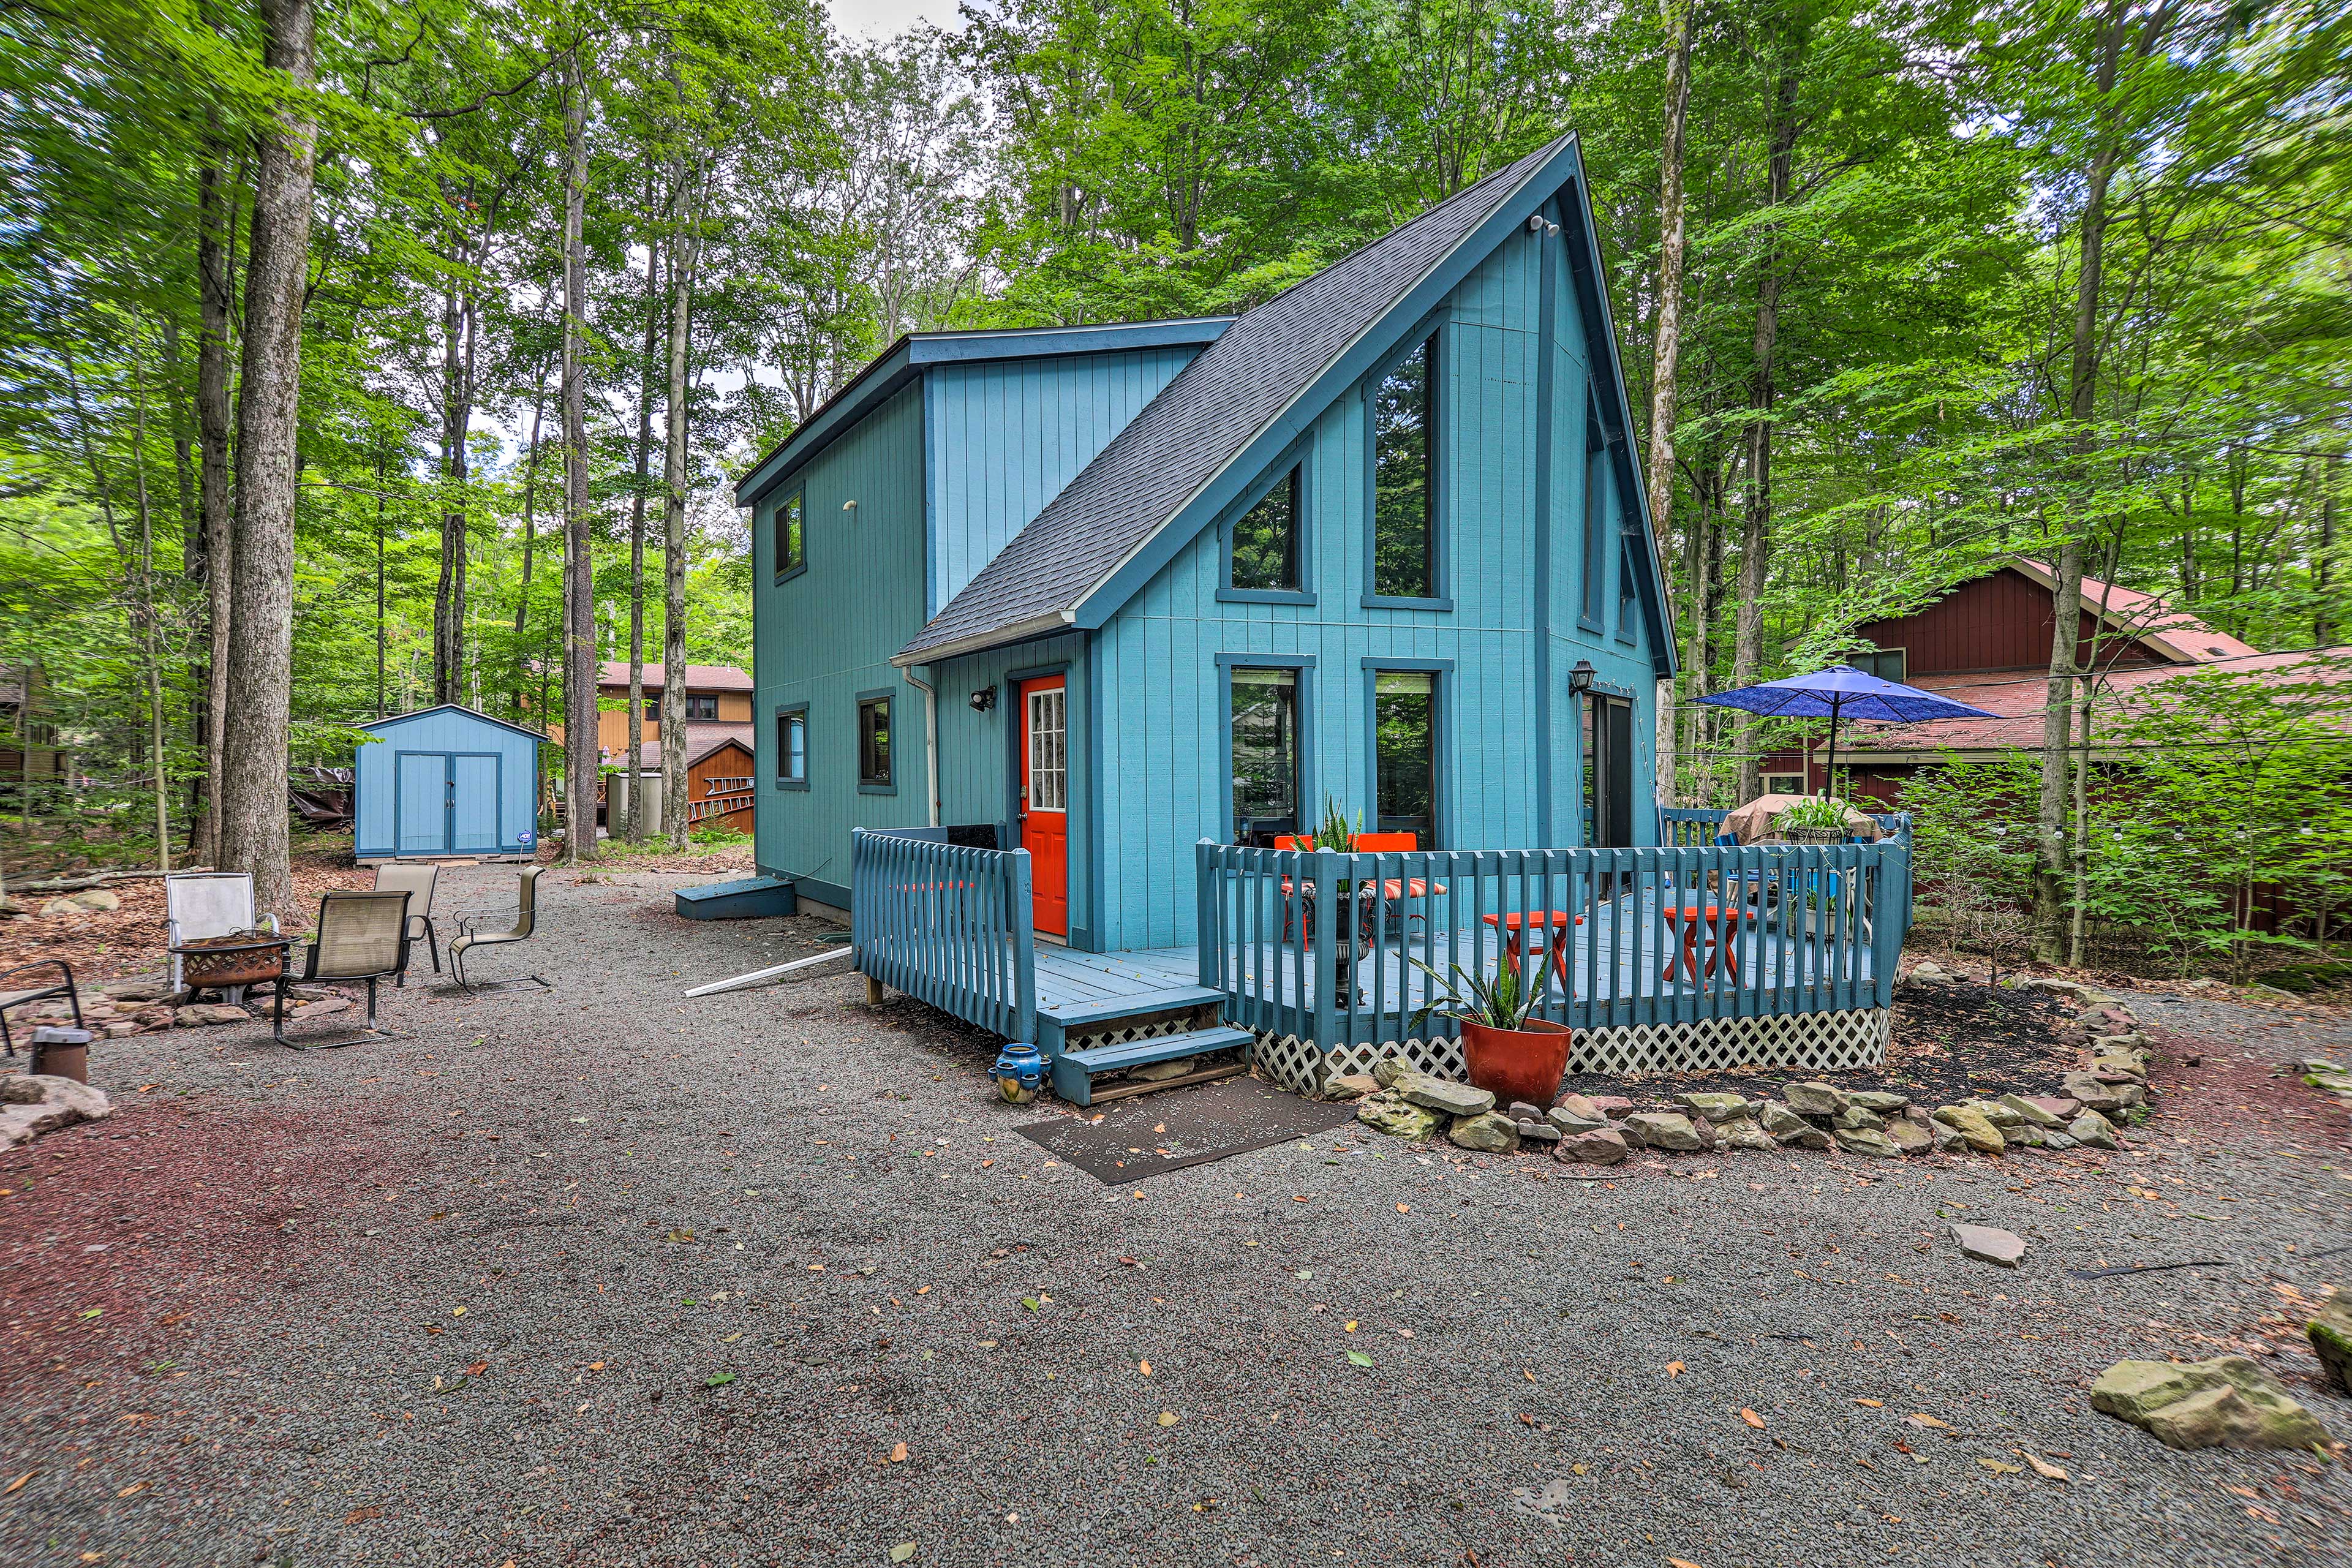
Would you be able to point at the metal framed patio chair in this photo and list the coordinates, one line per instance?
(421, 883)
(525, 926)
(361, 936)
(64, 987)
(200, 904)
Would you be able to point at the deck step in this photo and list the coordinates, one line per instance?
(1073, 1070)
(1131, 1003)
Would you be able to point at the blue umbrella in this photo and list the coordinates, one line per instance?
(1843, 692)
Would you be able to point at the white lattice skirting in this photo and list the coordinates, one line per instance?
(1819, 1042)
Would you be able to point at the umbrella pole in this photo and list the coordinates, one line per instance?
(1829, 786)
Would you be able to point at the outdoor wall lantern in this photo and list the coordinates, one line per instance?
(983, 699)
(1579, 679)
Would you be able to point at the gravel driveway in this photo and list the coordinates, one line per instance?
(606, 1276)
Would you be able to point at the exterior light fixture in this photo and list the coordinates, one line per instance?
(1580, 677)
(983, 699)
(849, 506)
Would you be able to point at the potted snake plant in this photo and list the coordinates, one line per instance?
(1506, 1049)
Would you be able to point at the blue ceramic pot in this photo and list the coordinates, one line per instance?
(1020, 1073)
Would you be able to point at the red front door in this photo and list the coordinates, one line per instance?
(1045, 799)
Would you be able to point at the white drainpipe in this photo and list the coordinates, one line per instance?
(930, 739)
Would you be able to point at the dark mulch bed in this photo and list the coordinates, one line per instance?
(1950, 1043)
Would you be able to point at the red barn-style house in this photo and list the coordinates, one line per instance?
(1987, 643)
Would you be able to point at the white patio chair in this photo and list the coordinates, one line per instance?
(420, 883)
(198, 904)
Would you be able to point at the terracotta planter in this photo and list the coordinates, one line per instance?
(1518, 1064)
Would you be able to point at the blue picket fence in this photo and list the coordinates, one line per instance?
(946, 924)
(1624, 937)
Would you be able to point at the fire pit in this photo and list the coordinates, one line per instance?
(240, 958)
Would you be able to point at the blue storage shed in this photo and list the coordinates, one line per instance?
(445, 781)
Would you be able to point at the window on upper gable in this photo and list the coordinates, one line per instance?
(1404, 510)
(1596, 522)
(1625, 594)
(791, 545)
(1266, 540)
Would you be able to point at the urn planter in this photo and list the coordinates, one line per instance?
(1525, 1063)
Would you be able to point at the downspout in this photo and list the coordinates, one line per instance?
(930, 742)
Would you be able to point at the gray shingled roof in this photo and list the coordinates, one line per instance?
(1204, 418)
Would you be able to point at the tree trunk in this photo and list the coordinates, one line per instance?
(450, 590)
(579, 759)
(253, 835)
(653, 301)
(530, 532)
(2048, 918)
(1671, 237)
(1756, 529)
(216, 287)
(683, 256)
(2323, 618)
(151, 656)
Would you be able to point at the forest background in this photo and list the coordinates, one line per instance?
(362, 354)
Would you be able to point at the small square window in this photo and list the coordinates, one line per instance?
(702, 705)
(874, 741)
(792, 748)
(1266, 541)
(1887, 663)
(790, 546)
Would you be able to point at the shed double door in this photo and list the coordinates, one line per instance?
(446, 803)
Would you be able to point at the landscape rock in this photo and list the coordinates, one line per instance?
(99, 899)
(2095, 1095)
(1742, 1132)
(1542, 1132)
(1814, 1099)
(2226, 1402)
(1855, 1116)
(56, 1102)
(2040, 1116)
(1989, 1244)
(2058, 1105)
(1880, 1100)
(1394, 1117)
(1979, 1133)
(2331, 1338)
(1994, 1111)
(57, 907)
(2056, 1142)
(1931, 974)
(1444, 1096)
(1351, 1086)
(2027, 1136)
(1487, 1131)
(2092, 1131)
(1948, 1139)
(20, 1089)
(1715, 1107)
(1603, 1146)
(1610, 1104)
(139, 988)
(1662, 1129)
(1868, 1140)
(1574, 1113)
(1909, 1136)
(202, 1013)
(1388, 1070)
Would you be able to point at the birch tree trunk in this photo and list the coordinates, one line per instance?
(1671, 245)
(254, 837)
(579, 584)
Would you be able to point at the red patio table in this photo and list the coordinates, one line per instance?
(1694, 919)
(1557, 926)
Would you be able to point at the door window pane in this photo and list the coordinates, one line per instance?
(874, 740)
(1266, 540)
(1404, 720)
(1404, 555)
(1265, 762)
(1049, 759)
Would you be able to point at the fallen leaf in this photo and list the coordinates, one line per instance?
(1404, 1208)
(1581, 1470)
(900, 1553)
(1674, 1369)
(1680, 1562)
(19, 1481)
(1358, 1358)
(133, 1487)
(1144, 1367)
(1030, 1302)
(2045, 1468)
(718, 1380)
(898, 1454)
(1169, 1419)
(1921, 1418)
(1998, 1469)
(1874, 1404)
(1752, 1419)
(457, 1311)
(478, 1368)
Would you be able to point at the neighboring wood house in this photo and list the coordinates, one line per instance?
(715, 694)
(1987, 643)
(1103, 592)
(29, 740)
(719, 779)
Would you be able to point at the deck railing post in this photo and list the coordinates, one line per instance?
(1207, 906)
(1024, 952)
(1321, 974)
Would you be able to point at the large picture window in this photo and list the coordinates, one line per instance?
(1404, 757)
(791, 749)
(790, 545)
(1266, 541)
(1404, 510)
(1265, 762)
(874, 742)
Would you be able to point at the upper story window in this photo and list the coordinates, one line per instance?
(1265, 762)
(792, 547)
(1596, 558)
(1404, 509)
(874, 741)
(1887, 663)
(1625, 591)
(1266, 540)
(702, 705)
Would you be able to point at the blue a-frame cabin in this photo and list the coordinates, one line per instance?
(1102, 594)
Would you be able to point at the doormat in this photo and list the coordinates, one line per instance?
(1155, 1133)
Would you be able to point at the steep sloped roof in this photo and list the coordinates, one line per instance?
(699, 676)
(1250, 379)
(2150, 619)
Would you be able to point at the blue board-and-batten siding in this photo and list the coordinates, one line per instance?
(492, 808)
(1160, 770)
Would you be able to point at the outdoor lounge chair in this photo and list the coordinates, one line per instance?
(361, 936)
(526, 925)
(64, 988)
(420, 883)
(200, 904)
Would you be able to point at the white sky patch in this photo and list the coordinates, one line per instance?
(884, 18)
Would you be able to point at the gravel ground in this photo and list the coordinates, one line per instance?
(606, 1276)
